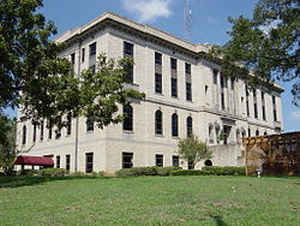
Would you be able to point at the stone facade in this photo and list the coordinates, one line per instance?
(217, 106)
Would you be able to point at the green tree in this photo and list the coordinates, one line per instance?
(43, 85)
(267, 45)
(193, 150)
(7, 144)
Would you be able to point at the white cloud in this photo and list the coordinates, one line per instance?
(148, 10)
(296, 114)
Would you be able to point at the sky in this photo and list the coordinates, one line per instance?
(209, 25)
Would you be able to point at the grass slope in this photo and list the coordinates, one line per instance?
(194, 200)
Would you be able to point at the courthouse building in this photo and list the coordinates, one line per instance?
(185, 94)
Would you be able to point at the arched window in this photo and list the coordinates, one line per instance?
(265, 133)
(158, 122)
(238, 136)
(24, 135)
(89, 122)
(210, 133)
(174, 125)
(257, 133)
(34, 133)
(189, 126)
(208, 162)
(128, 118)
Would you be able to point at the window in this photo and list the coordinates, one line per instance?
(191, 164)
(158, 58)
(232, 83)
(188, 83)
(159, 160)
(69, 124)
(158, 122)
(189, 125)
(82, 54)
(175, 160)
(42, 131)
(93, 48)
(257, 133)
(90, 122)
(263, 105)
(188, 91)
(174, 125)
(223, 100)
(58, 161)
(158, 83)
(73, 59)
(34, 133)
(128, 118)
(24, 135)
(173, 64)
(68, 160)
(128, 52)
(274, 108)
(249, 132)
(210, 133)
(247, 101)
(128, 49)
(89, 158)
(255, 104)
(215, 74)
(208, 163)
(50, 129)
(174, 87)
(127, 160)
(187, 68)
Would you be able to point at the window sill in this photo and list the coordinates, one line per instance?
(90, 132)
(175, 137)
(128, 132)
(175, 97)
(159, 135)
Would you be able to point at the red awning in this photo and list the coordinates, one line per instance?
(34, 161)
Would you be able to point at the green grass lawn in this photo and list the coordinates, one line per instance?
(189, 200)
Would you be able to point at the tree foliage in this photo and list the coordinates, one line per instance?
(7, 144)
(42, 84)
(267, 44)
(193, 150)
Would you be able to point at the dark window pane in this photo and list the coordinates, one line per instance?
(34, 133)
(24, 135)
(175, 160)
(57, 161)
(174, 87)
(188, 91)
(174, 125)
(127, 160)
(42, 131)
(90, 122)
(128, 49)
(83, 55)
(89, 159)
(69, 124)
(158, 58)
(158, 122)
(93, 48)
(159, 160)
(215, 74)
(173, 64)
(68, 160)
(158, 83)
(189, 123)
(187, 68)
(128, 118)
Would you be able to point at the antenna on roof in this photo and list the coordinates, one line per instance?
(187, 19)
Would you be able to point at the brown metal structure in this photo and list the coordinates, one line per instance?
(274, 154)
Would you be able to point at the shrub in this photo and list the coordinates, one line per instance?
(77, 174)
(188, 173)
(101, 174)
(224, 171)
(146, 171)
(28, 172)
(53, 172)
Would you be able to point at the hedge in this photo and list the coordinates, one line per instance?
(146, 171)
(53, 172)
(212, 170)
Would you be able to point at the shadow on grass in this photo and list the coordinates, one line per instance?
(20, 181)
(218, 219)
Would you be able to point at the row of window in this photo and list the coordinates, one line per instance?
(127, 161)
(158, 122)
